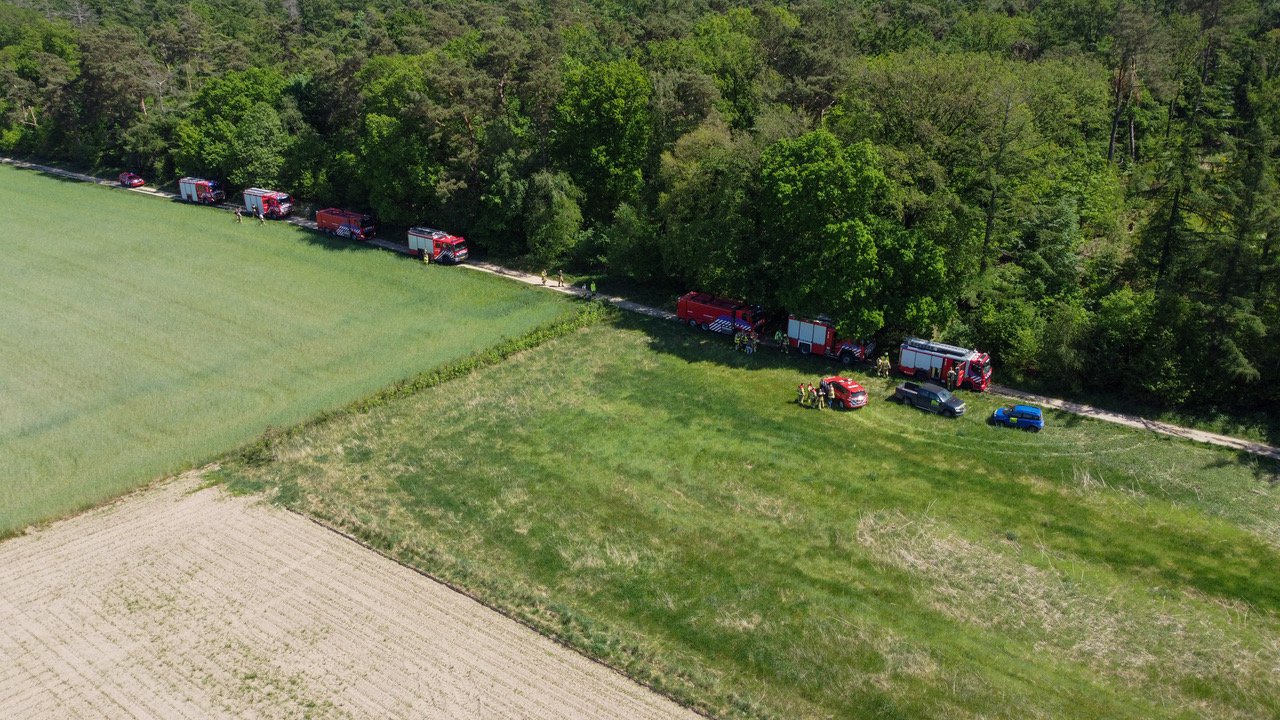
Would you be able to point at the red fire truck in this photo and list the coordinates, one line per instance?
(819, 336)
(270, 203)
(934, 361)
(345, 223)
(199, 190)
(437, 245)
(709, 312)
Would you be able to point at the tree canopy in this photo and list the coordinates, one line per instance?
(1088, 190)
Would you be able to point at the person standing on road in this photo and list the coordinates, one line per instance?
(239, 216)
(951, 378)
(561, 283)
(593, 290)
(544, 278)
(781, 339)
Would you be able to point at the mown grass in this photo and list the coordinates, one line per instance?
(648, 496)
(139, 337)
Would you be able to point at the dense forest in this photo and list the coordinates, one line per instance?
(1085, 188)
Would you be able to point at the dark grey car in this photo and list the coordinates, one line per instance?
(933, 398)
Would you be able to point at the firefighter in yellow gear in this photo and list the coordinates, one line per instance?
(882, 366)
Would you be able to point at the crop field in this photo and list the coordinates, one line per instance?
(179, 602)
(139, 337)
(641, 492)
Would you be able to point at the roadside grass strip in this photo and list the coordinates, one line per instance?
(641, 492)
(142, 337)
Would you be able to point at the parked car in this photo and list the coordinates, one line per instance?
(929, 397)
(131, 180)
(845, 394)
(1024, 417)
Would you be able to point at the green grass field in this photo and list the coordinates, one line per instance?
(641, 492)
(139, 336)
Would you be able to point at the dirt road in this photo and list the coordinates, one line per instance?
(1255, 448)
(180, 602)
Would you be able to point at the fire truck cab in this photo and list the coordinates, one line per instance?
(199, 190)
(345, 223)
(723, 315)
(270, 203)
(437, 245)
(933, 361)
(819, 336)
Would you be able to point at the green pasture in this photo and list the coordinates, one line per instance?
(140, 336)
(648, 496)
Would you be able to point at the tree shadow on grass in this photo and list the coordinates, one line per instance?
(704, 346)
(1264, 469)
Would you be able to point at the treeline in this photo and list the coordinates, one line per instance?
(1087, 189)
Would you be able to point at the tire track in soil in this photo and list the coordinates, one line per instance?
(186, 602)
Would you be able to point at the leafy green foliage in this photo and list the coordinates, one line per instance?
(1045, 154)
(553, 216)
(817, 200)
(603, 130)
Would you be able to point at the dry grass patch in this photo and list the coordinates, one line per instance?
(1168, 637)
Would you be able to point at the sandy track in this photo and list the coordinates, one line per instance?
(1202, 436)
(186, 603)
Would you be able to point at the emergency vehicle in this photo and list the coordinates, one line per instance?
(845, 394)
(199, 190)
(819, 336)
(272, 204)
(345, 223)
(722, 315)
(933, 361)
(437, 245)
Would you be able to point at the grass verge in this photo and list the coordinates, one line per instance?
(646, 495)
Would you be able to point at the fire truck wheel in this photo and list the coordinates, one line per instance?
(693, 324)
(704, 327)
(846, 358)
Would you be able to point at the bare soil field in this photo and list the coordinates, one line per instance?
(183, 602)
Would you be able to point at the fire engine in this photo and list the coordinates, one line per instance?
(199, 190)
(934, 361)
(819, 336)
(709, 312)
(345, 223)
(270, 203)
(437, 245)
